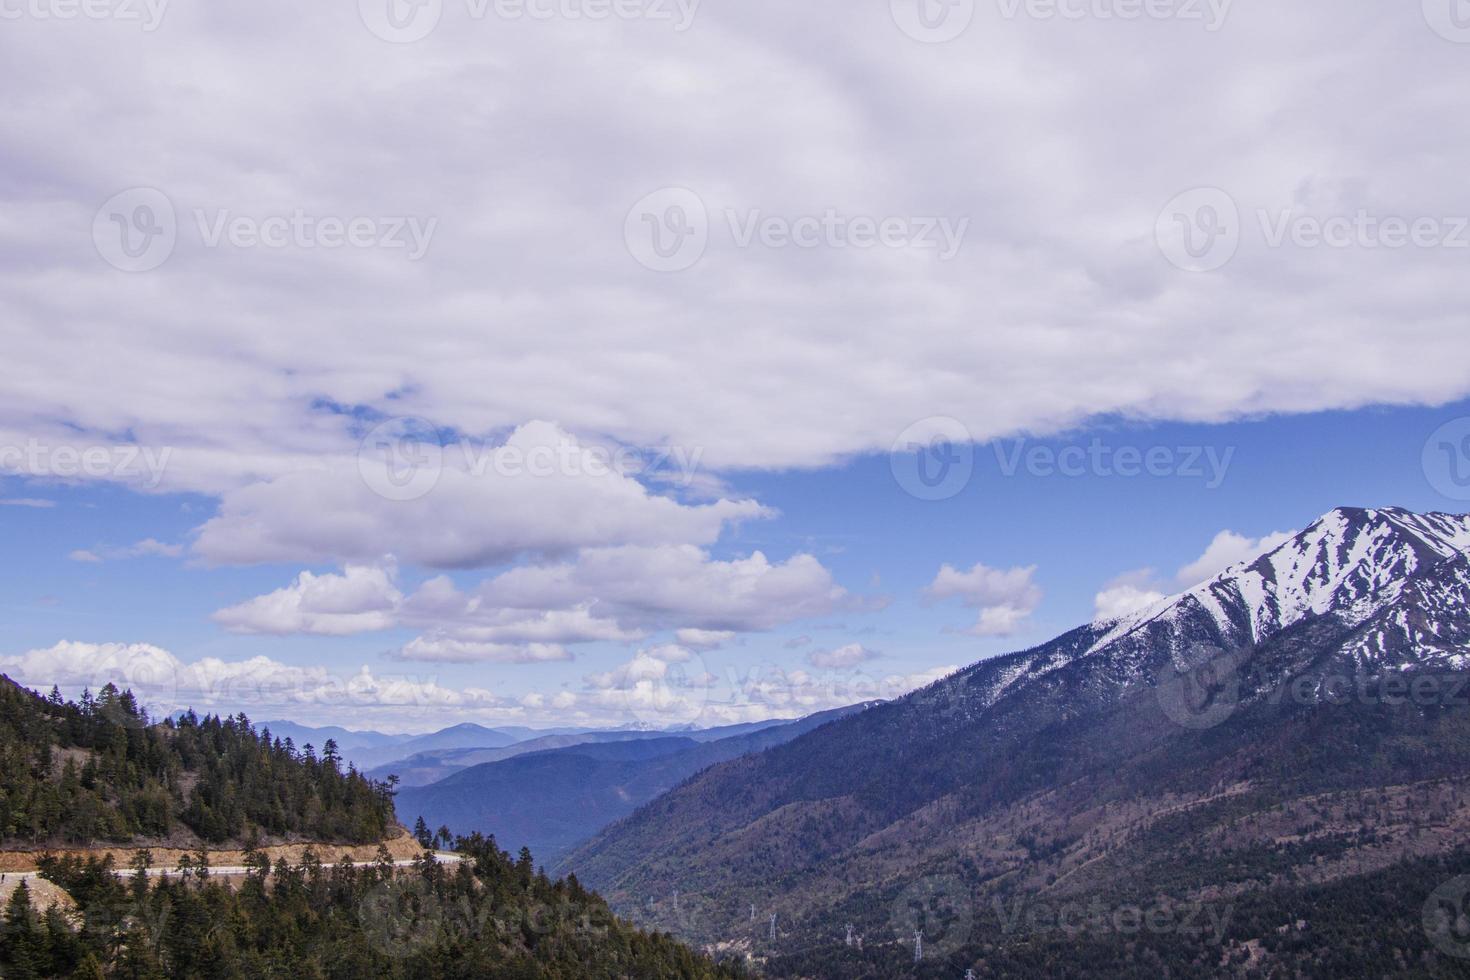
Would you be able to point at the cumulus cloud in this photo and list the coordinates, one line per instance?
(486, 331)
(846, 656)
(364, 599)
(659, 687)
(670, 686)
(166, 683)
(1005, 597)
(674, 587)
(1128, 593)
(459, 648)
(1228, 548)
(361, 599)
(528, 614)
(704, 639)
(474, 511)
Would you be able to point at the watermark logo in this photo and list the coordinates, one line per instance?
(1202, 690)
(1447, 917)
(668, 230)
(660, 688)
(1202, 230)
(147, 13)
(401, 21)
(1208, 464)
(1199, 230)
(141, 465)
(153, 680)
(302, 230)
(135, 230)
(1446, 459)
(401, 459)
(1210, 13)
(407, 21)
(933, 21)
(934, 914)
(1450, 19)
(933, 459)
(1097, 919)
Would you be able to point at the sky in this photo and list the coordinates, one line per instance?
(562, 363)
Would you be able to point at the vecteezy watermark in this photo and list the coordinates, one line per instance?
(146, 13)
(1201, 688)
(1199, 230)
(1211, 14)
(401, 459)
(136, 230)
(1209, 464)
(407, 21)
(1211, 685)
(1446, 459)
(1096, 918)
(1202, 230)
(404, 459)
(933, 21)
(938, 21)
(935, 914)
(1450, 19)
(933, 459)
(670, 230)
(141, 465)
(302, 230)
(1446, 917)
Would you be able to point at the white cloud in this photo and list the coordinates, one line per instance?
(846, 656)
(704, 639)
(32, 502)
(673, 587)
(361, 599)
(660, 686)
(147, 548)
(1005, 597)
(528, 614)
(1228, 548)
(1128, 593)
(477, 513)
(485, 332)
(165, 683)
(444, 647)
(669, 686)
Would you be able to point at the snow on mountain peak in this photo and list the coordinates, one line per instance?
(1352, 561)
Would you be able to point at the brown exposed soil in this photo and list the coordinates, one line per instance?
(403, 847)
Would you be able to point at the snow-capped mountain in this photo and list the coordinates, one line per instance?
(1390, 585)
(1349, 562)
(1047, 768)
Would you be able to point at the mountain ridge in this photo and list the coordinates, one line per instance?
(1217, 699)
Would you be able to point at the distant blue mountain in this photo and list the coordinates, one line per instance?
(553, 800)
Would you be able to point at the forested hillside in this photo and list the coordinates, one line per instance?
(489, 916)
(99, 771)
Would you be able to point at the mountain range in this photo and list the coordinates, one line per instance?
(551, 800)
(1300, 721)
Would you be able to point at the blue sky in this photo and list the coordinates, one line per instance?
(877, 540)
(278, 362)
